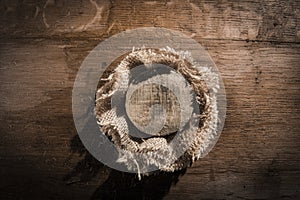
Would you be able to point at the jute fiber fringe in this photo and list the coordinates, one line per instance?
(203, 82)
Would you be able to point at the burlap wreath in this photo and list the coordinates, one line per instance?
(203, 81)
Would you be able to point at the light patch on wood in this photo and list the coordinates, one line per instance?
(95, 19)
(48, 2)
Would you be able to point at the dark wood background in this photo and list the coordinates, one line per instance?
(256, 46)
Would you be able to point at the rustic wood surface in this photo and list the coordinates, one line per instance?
(256, 46)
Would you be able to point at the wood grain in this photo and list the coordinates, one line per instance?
(239, 20)
(255, 46)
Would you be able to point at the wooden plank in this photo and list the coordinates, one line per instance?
(257, 155)
(276, 21)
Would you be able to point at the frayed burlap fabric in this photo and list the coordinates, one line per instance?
(203, 82)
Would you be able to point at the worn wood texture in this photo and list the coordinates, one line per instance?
(255, 45)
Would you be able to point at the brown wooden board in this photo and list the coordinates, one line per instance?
(256, 47)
